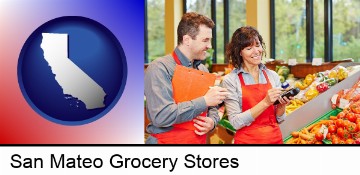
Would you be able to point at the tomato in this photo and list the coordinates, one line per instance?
(351, 117)
(346, 123)
(358, 126)
(357, 141)
(332, 129)
(318, 142)
(351, 127)
(319, 136)
(339, 123)
(330, 122)
(355, 108)
(346, 134)
(335, 141)
(357, 120)
(328, 136)
(322, 87)
(334, 136)
(349, 141)
(341, 115)
(346, 110)
(340, 132)
(356, 135)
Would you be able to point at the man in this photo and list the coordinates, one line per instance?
(194, 39)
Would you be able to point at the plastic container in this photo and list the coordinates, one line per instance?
(326, 116)
(285, 85)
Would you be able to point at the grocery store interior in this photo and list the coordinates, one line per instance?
(313, 45)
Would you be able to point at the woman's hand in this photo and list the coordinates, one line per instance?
(272, 95)
(280, 108)
(284, 101)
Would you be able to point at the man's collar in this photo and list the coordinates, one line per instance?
(183, 59)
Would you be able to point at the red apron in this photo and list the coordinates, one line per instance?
(182, 133)
(264, 130)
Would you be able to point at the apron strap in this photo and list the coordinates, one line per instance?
(242, 82)
(176, 58)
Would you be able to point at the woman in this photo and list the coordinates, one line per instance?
(253, 89)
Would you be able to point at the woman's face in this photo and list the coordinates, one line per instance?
(252, 54)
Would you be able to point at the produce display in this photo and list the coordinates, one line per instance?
(346, 96)
(315, 84)
(283, 72)
(342, 128)
(339, 126)
(309, 135)
(294, 104)
(345, 127)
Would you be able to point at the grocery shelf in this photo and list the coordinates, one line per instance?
(315, 107)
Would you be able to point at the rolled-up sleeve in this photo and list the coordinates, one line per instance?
(281, 118)
(237, 118)
(214, 115)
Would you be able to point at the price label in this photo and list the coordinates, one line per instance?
(317, 61)
(334, 98)
(343, 103)
(292, 62)
(324, 130)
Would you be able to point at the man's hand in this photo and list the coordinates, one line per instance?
(215, 95)
(203, 125)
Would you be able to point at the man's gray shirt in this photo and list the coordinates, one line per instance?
(161, 108)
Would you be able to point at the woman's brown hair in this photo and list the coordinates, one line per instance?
(242, 38)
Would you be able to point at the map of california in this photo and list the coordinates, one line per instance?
(70, 77)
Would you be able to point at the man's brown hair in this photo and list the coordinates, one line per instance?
(189, 25)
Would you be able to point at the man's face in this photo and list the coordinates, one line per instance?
(201, 43)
